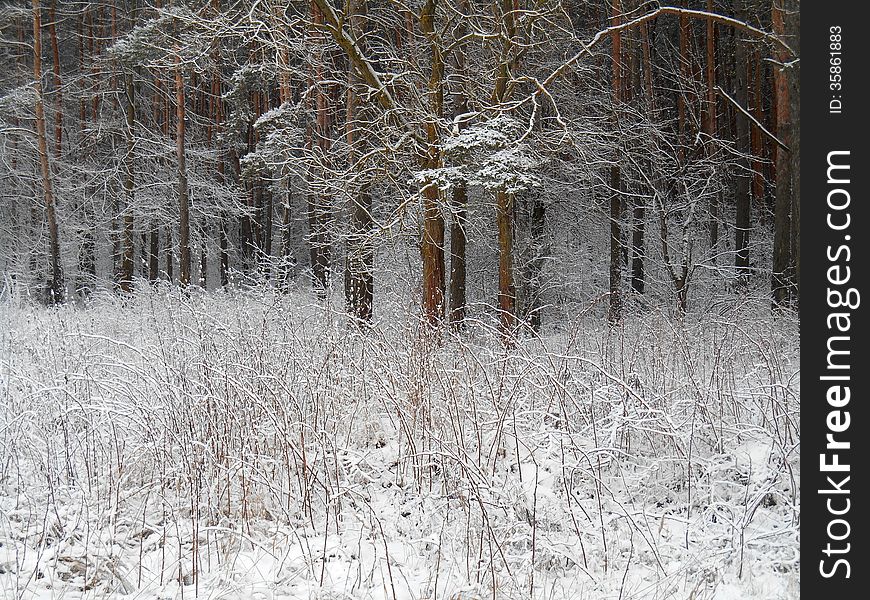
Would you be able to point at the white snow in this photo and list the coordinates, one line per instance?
(254, 445)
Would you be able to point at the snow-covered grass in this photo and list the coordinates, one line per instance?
(258, 445)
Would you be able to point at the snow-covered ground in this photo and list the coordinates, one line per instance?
(254, 445)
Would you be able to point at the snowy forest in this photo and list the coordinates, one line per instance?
(386, 299)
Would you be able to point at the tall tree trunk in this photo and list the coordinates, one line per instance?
(458, 224)
(117, 228)
(792, 29)
(504, 201)
(615, 304)
(94, 36)
(756, 145)
(264, 227)
(87, 262)
(781, 279)
(162, 117)
(683, 87)
(217, 110)
(256, 182)
(711, 126)
(638, 251)
(56, 286)
(359, 282)
(248, 221)
(742, 188)
(319, 203)
(432, 246)
(58, 92)
(183, 200)
(126, 278)
(533, 270)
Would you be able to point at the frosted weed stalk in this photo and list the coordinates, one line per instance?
(177, 445)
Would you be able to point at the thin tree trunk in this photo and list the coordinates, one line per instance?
(94, 36)
(780, 281)
(504, 201)
(223, 242)
(224, 253)
(287, 240)
(267, 214)
(58, 92)
(266, 207)
(682, 88)
(318, 208)
(756, 145)
(432, 255)
(432, 247)
(615, 304)
(88, 262)
(203, 258)
(792, 29)
(143, 256)
(154, 253)
(127, 250)
(638, 251)
(56, 286)
(256, 198)
(170, 255)
(711, 124)
(458, 231)
(536, 266)
(458, 243)
(183, 201)
(742, 188)
(217, 112)
(83, 104)
(507, 294)
(117, 230)
(359, 282)
(87, 259)
(246, 237)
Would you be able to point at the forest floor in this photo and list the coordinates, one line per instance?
(254, 445)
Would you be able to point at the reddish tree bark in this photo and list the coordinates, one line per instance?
(56, 286)
(710, 122)
(782, 282)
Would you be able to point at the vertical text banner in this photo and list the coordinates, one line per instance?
(834, 221)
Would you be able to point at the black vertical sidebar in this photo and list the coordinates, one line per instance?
(835, 226)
